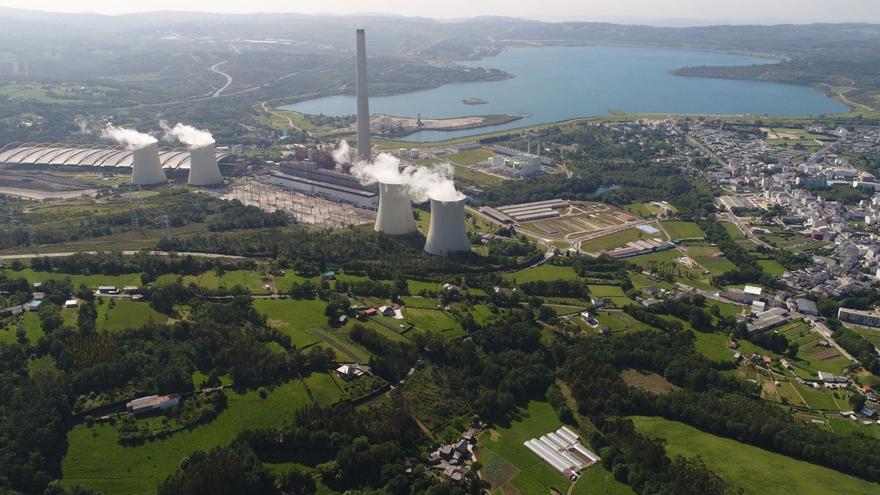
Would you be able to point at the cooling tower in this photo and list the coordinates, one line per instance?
(395, 212)
(145, 167)
(447, 232)
(203, 169)
(363, 103)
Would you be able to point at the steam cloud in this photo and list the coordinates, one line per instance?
(130, 138)
(187, 134)
(423, 183)
(342, 153)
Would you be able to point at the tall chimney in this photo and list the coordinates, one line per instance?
(363, 102)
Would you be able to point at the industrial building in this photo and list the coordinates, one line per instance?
(395, 215)
(523, 164)
(767, 320)
(636, 248)
(325, 189)
(562, 450)
(100, 156)
(447, 232)
(856, 317)
(525, 212)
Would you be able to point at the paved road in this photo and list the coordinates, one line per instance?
(127, 253)
(214, 68)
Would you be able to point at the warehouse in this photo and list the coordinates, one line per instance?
(106, 157)
(525, 212)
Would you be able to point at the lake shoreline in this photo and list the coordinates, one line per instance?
(560, 83)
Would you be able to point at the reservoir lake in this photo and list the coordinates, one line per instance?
(560, 83)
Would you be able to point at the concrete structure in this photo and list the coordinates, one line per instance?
(331, 191)
(203, 169)
(447, 232)
(857, 317)
(146, 169)
(807, 307)
(395, 212)
(363, 102)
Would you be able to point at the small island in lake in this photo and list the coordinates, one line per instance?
(474, 101)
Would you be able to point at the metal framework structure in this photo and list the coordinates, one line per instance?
(89, 155)
(308, 208)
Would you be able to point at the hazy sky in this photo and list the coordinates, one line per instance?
(648, 11)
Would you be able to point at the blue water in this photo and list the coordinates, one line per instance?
(558, 83)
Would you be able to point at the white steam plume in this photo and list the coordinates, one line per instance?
(423, 183)
(130, 138)
(187, 134)
(342, 153)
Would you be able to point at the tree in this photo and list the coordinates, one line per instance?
(86, 317)
(296, 482)
(336, 307)
(50, 317)
(857, 401)
(220, 471)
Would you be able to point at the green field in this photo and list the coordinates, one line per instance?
(710, 258)
(95, 460)
(251, 280)
(811, 356)
(733, 231)
(433, 320)
(504, 445)
(32, 327)
(611, 293)
(644, 210)
(470, 157)
(618, 321)
(127, 314)
(752, 469)
(682, 230)
(714, 346)
(90, 281)
(543, 272)
(616, 240)
(294, 317)
(772, 267)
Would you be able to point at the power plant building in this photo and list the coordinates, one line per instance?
(203, 170)
(447, 232)
(146, 169)
(395, 215)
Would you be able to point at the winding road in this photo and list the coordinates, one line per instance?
(214, 68)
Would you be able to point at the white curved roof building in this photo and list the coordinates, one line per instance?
(90, 155)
